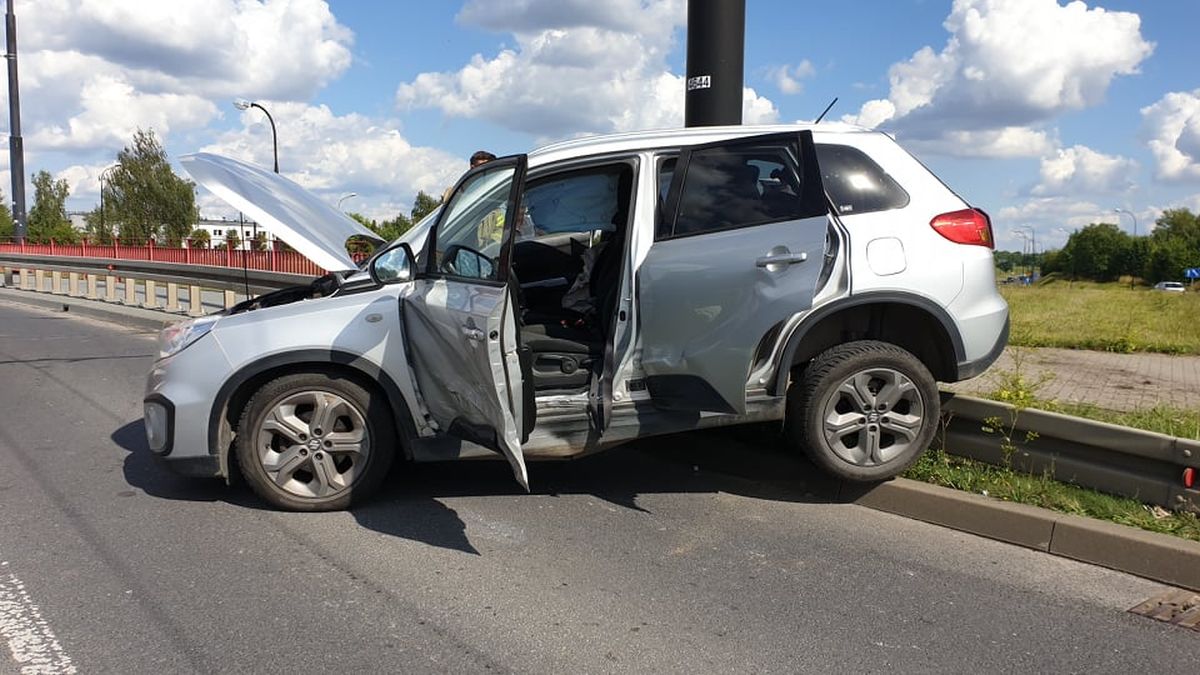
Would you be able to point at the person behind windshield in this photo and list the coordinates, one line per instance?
(477, 158)
(481, 157)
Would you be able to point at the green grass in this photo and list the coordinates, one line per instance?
(1002, 482)
(1104, 317)
(960, 473)
(1164, 419)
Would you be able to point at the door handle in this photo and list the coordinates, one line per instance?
(781, 259)
(472, 333)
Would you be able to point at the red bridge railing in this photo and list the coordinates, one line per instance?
(269, 260)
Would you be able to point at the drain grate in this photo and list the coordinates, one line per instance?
(1174, 606)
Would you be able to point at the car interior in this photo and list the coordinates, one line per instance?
(567, 263)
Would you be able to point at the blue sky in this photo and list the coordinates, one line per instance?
(1044, 113)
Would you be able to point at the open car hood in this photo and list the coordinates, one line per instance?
(307, 223)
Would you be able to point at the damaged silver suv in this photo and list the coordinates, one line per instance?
(590, 293)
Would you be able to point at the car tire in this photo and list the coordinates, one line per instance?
(315, 442)
(828, 415)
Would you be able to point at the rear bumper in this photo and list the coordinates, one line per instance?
(976, 367)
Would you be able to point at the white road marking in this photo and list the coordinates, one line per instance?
(33, 645)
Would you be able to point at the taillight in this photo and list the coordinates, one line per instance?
(969, 226)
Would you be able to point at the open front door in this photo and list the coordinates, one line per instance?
(460, 321)
(738, 250)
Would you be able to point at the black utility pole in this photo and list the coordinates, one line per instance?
(716, 45)
(16, 150)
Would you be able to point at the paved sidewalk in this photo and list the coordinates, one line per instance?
(1113, 381)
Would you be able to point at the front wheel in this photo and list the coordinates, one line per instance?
(315, 442)
(864, 411)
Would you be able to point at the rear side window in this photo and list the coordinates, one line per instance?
(740, 185)
(855, 183)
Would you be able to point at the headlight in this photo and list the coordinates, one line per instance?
(175, 337)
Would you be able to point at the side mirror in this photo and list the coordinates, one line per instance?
(465, 261)
(393, 266)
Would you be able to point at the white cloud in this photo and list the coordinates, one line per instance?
(333, 155)
(1173, 127)
(281, 49)
(790, 79)
(1002, 143)
(113, 110)
(94, 71)
(1079, 169)
(577, 67)
(531, 16)
(1008, 65)
(1052, 219)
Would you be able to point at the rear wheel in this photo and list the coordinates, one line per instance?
(315, 442)
(864, 411)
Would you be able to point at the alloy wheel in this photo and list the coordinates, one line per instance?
(313, 443)
(874, 416)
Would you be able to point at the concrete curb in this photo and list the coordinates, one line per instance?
(135, 317)
(1160, 557)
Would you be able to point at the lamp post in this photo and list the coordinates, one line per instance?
(103, 226)
(1130, 214)
(243, 104)
(1135, 234)
(1025, 242)
(348, 195)
(1032, 240)
(16, 147)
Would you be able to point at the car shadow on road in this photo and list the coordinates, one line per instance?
(746, 461)
(424, 520)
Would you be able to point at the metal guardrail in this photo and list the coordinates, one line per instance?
(1143, 465)
(1118, 460)
(270, 260)
(124, 281)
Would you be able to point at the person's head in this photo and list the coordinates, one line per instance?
(481, 157)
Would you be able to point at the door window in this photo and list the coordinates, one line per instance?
(470, 235)
(736, 185)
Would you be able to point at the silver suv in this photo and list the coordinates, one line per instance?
(590, 293)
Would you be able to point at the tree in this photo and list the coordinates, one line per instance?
(98, 230)
(199, 238)
(421, 207)
(232, 239)
(7, 226)
(260, 242)
(48, 217)
(1173, 247)
(144, 196)
(1099, 251)
(1169, 258)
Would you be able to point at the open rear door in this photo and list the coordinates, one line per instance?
(738, 250)
(460, 321)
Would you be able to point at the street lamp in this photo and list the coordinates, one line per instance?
(1025, 243)
(1135, 234)
(103, 227)
(344, 197)
(1032, 240)
(243, 104)
(1130, 214)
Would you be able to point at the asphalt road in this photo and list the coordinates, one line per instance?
(704, 553)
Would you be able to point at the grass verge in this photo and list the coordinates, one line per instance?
(938, 468)
(1104, 317)
(1002, 482)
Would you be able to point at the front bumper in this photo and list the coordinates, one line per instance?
(177, 406)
